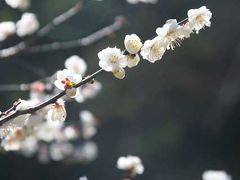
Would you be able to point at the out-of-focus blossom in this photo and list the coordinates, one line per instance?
(7, 29)
(83, 178)
(18, 122)
(57, 112)
(18, 4)
(215, 175)
(133, 164)
(132, 43)
(199, 18)
(29, 146)
(27, 25)
(70, 133)
(88, 122)
(49, 131)
(86, 153)
(13, 141)
(76, 64)
(58, 151)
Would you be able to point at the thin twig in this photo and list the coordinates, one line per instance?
(49, 101)
(11, 51)
(15, 87)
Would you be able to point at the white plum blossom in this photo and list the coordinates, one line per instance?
(7, 29)
(132, 43)
(215, 175)
(27, 25)
(66, 79)
(153, 50)
(133, 60)
(113, 60)
(143, 1)
(57, 111)
(76, 64)
(199, 18)
(18, 4)
(170, 34)
(132, 164)
(88, 122)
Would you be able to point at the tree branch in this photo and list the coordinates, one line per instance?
(44, 104)
(118, 23)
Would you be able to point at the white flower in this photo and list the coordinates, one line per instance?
(199, 18)
(66, 79)
(6, 29)
(18, 4)
(88, 121)
(132, 43)
(132, 164)
(143, 1)
(57, 112)
(171, 34)
(76, 64)
(153, 50)
(112, 59)
(215, 175)
(27, 25)
(133, 60)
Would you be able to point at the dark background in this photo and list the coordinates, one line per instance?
(180, 115)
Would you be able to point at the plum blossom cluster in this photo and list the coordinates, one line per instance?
(44, 133)
(170, 35)
(25, 26)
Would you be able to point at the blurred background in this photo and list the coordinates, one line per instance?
(180, 115)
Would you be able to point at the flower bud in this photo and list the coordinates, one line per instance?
(119, 73)
(132, 43)
(133, 60)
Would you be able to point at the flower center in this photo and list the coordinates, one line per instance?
(113, 60)
(67, 83)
